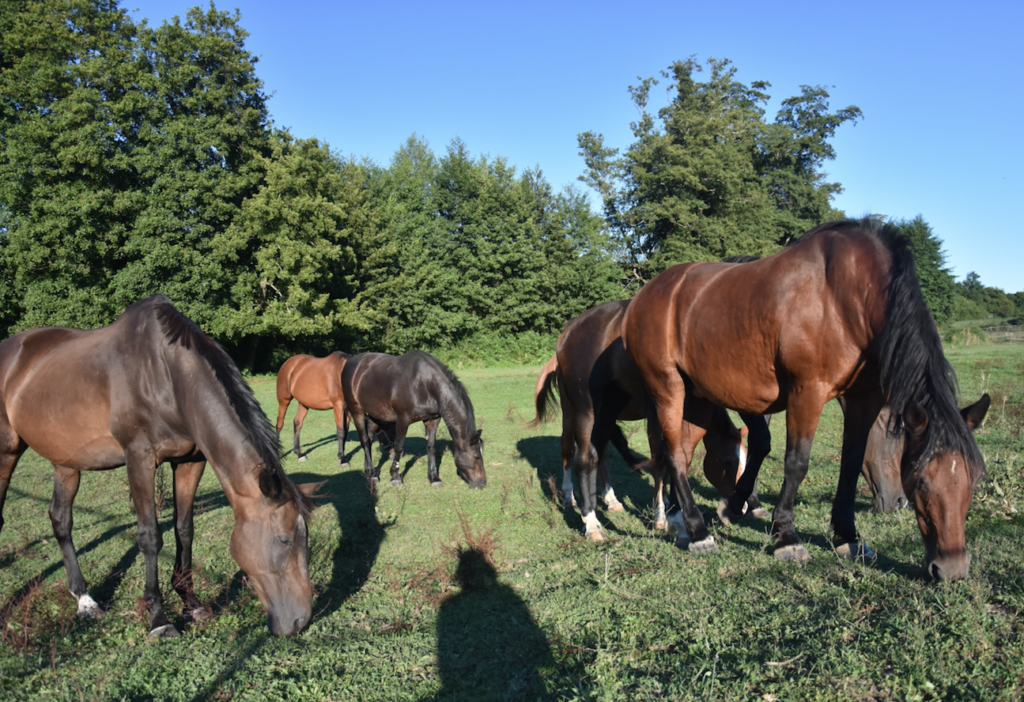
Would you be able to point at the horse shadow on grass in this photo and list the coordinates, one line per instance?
(544, 454)
(488, 644)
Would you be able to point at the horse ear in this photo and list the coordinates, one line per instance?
(974, 414)
(270, 484)
(475, 439)
(309, 489)
(915, 419)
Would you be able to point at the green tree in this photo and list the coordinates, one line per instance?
(937, 282)
(708, 177)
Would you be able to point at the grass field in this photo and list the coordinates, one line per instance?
(425, 593)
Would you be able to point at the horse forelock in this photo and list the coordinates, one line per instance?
(182, 331)
(914, 369)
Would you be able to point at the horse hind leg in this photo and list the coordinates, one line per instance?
(397, 450)
(186, 482)
(65, 487)
(341, 425)
(10, 451)
(300, 416)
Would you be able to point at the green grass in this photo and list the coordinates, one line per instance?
(551, 616)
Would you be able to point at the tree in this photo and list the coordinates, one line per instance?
(937, 282)
(709, 178)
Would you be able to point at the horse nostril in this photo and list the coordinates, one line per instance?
(902, 502)
(935, 570)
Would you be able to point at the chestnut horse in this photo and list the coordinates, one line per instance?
(415, 387)
(598, 385)
(150, 388)
(315, 383)
(837, 313)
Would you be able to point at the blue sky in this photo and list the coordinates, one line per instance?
(941, 86)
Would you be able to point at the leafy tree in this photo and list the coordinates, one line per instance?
(937, 282)
(709, 178)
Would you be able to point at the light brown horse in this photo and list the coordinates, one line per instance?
(148, 389)
(598, 385)
(837, 313)
(315, 383)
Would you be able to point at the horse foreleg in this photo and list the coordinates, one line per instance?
(859, 416)
(300, 416)
(186, 482)
(607, 491)
(568, 450)
(401, 427)
(9, 455)
(65, 487)
(141, 482)
(759, 445)
(802, 416)
(341, 425)
(433, 474)
(363, 422)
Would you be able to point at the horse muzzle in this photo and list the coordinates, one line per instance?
(949, 567)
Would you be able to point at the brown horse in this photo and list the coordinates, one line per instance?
(598, 385)
(315, 383)
(150, 388)
(837, 313)
(415, 387)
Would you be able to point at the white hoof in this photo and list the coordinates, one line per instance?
(301, 459)
(761, 513)
(592, 528)
(727, 516)
(794, 553)
(661, 523)
(166, 631)
(615, 506)
(855, 550)
(707, 545)
(87, 608)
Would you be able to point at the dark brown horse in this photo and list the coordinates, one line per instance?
(315, 383)
(415, 387)
(837, 313)
(598, 385)
(152, 388)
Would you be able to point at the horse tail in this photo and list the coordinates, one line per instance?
(914, 369)
(544, 392)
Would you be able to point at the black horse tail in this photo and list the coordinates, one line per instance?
(544, 392)
(914, 368)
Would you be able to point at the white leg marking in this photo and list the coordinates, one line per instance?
(613, 502)
(659, 513)
(676, 525)
(87, 607)
(592, 527)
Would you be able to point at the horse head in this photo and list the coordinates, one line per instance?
(726, 456)
(881, 467)
(940, 486)
(469, 460)
(269, 544)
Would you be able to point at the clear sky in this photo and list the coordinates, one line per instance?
(941, 85)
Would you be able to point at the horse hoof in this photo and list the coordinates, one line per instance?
(683, 541)
(661, 524)
(707, 545)
(396, 481)
(167, 631)
(761, 513)
(794, 553)
(436, 483)
(596, 535)
(616, 507)
(88, 609)
(727, 516)
(301, 459)
(854, 550)
(200, 614)
(345, 465)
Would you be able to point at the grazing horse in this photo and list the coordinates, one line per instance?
(837, 313)
(598, 385)
(415, 387)
(315, 383)
(150, 388)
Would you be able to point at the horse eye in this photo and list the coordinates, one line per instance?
(285, 540)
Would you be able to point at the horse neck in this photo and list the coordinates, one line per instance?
(458, 417)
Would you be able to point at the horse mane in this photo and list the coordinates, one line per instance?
(914, 369)
(458, 394)
(179, 329)
(741, 258)
(341, 354)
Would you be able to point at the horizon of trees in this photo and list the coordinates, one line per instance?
(137, 160)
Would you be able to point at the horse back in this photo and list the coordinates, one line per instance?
(744, 333)
(314, 382)
(387, 387)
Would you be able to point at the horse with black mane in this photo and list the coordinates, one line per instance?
(380, 388)
(147, 389)
(837, 313)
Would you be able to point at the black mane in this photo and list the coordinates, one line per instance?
(914, 369)
(458, 394)
(179, 329)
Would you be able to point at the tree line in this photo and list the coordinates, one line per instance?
(138, 159)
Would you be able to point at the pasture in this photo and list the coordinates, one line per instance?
(425, 593)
